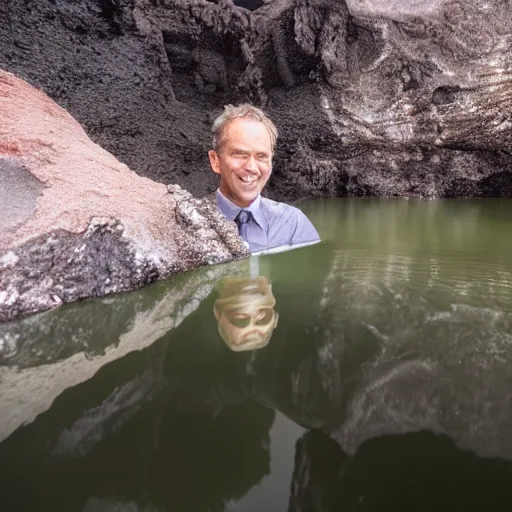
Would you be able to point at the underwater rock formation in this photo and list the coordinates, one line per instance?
(371, 97)
(77, 223)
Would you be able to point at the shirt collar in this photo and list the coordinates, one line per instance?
(231, 210)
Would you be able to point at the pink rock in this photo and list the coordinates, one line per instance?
(77, 223)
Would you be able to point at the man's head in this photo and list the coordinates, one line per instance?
(245, 313)
(244, 139)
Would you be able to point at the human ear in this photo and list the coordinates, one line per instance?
(214, 161)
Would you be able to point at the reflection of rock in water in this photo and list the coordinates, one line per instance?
(109, 416)
(399, 400)
(56, 350)
(441, 358)
(419, 471)
(318, 460)
(133, 452)
(104, 505)
(379, 353)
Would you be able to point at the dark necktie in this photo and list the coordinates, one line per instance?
(242, 219)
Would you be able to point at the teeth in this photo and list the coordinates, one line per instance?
(248, 179)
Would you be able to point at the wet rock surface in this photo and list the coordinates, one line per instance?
(371, 97)
(80, 224)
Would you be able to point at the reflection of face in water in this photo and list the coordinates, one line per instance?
(245, 312)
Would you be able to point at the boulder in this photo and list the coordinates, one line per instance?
(78, 223)
(371, 97)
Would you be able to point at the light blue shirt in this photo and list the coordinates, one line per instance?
(274, 225)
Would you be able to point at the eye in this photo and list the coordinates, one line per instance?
(241, 323)
(239, 320)
(262, 157)
(264, 316)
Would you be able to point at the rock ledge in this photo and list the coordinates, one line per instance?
(81, 224)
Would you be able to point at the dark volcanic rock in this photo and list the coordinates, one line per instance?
(109, 64)
(371, 97)
(77, 223)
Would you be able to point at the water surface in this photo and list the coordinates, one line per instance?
(384, 385)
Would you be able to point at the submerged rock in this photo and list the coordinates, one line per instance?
(385, 98)
(78, 223)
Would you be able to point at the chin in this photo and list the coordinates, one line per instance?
(246, 200)
(252, 195)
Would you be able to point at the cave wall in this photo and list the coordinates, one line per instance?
(371, 97)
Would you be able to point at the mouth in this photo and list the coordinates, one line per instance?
(252, 340)
(248, 181)
(252, 336)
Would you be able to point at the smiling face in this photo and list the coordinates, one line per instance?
(243, 161)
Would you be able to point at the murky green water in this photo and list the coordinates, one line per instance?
(381, 377)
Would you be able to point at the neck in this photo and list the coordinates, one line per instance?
(237, 203)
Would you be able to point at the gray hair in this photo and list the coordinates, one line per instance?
(244, 111)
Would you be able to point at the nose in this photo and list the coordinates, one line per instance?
(250, 164)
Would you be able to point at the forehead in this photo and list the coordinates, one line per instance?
(247, 133)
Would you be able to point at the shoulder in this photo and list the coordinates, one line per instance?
(277, 208)
(291, 222)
